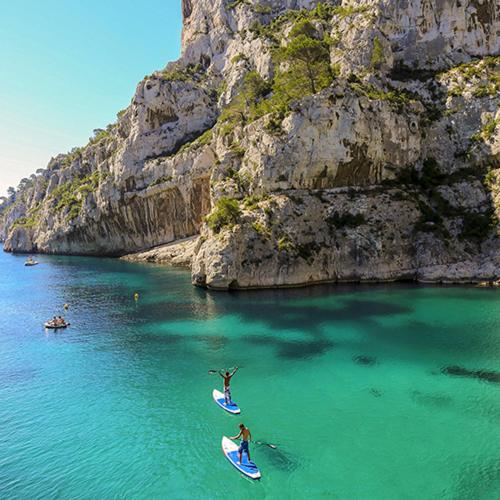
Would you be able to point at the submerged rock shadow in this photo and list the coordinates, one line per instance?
(434, 400)
(459, 371)
(376, 393)
(478, 481)
(292, 350)
(311, 319)
(365, 360)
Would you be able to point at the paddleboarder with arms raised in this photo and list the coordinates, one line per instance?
(227, 383)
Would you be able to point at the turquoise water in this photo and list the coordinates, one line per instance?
(346, 381)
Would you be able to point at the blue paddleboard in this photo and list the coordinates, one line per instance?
(220, 400)
(230, 449)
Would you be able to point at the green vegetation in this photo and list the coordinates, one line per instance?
(322, 13)
(102, 134)
(274, 124)
(285, 244)
(71, 195)
(490, 179)
(224, 215)
(203, 140)
(252, 202)
(242, 179)
(303, 68)
(305, 251)
(434, 207)
(25, 222)
(237, 150)
(307, 62)
(483, 75)
(261, 229)
(262, 9)
(161, 180)
(222, 88)
(178, 74)
(30, 221)
(349, 10)
(236, 3)
(238, 58)
(377, 54)
(245, 106)
(175, 75)
(399, 98)
(487, 131)
(475, 68)
(73, 155)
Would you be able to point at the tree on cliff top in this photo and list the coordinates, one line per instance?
(308, 66)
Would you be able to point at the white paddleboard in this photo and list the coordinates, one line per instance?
(230, 450)
(221, 401)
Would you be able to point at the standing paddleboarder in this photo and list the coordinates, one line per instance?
(227, 382)
(246, 436)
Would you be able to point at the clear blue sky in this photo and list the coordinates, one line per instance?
(68, 66)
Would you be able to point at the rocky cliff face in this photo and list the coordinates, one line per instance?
(306, 141)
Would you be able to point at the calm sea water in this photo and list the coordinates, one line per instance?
(346, 381)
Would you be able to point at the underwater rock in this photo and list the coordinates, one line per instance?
(458, 371)
(365, 360)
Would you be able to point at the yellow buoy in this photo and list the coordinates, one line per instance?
(136, 296)
(66, 306)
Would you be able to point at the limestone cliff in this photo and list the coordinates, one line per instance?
(306, 141)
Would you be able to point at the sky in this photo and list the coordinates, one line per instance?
(68, 66)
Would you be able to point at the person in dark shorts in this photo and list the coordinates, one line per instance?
(246, 437)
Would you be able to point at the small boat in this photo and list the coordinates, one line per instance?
(53, 326)
(31, 263)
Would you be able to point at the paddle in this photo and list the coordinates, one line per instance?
(272, 446)
(212, 372)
